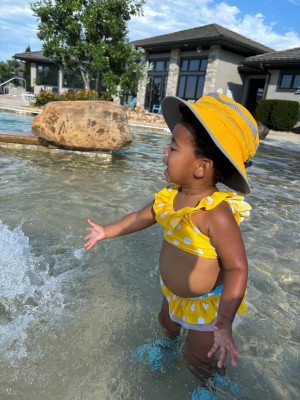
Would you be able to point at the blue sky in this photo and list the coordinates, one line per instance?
(274, 23)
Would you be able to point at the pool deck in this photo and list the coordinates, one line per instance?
(24, 140)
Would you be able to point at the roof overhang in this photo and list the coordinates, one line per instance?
(272, 64)
(194, 44)
(33, 56)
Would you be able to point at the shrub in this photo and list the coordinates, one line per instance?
(284, 115)
(45, 96)
(262, 111)
(277, 114)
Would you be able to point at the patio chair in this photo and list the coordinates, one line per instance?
(132, 104)
(156, 107)
(28, 97)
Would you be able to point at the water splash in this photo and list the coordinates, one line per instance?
(28, 294)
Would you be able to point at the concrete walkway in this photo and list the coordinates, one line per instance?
(286, 140)
(16, 102)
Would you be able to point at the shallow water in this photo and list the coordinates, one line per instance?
(15, 121)
(70, 319)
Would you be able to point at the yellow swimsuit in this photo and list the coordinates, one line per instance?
(182, 233)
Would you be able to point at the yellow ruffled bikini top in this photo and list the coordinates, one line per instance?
(179, 229)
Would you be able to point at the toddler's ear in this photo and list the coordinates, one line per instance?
(203, 167)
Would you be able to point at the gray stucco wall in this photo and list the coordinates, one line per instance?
(274, 93)
(227, 75)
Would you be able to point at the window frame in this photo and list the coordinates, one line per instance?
(42, 80)
(165, 70)
(152, 74)
(184, 74)
(291, 88)
(72, 76)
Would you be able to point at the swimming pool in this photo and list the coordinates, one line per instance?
(71, 319)
(15, 121)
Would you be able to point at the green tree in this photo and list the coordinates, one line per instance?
(91, 35)
(8, 69)
(26, 73)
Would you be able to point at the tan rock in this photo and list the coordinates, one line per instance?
(92, 125)
(140, 116)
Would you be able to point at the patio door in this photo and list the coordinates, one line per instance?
(155, 91)
(255, 94)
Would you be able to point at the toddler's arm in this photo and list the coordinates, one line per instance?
(226, 237)
(133, 222)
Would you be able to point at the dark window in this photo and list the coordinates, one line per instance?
(194, 65)
(296, 83)
(184, 65)
(290, 81)
(200, 86)
(157, 85)
(192, 77)
(159, 66)
(73, 80)
(204, 62)
(47, 74)
(191, 86)
(190, 89)
(286, 81)
(181, 87)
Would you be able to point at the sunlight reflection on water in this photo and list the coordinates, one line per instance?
(70, 319)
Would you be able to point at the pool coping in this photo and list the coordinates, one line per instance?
(27, 141)
(20, 110)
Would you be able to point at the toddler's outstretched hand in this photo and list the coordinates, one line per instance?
(97, 233)
(223, 341)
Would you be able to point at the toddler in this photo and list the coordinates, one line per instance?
(203, 265)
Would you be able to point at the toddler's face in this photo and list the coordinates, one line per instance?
(180, 156)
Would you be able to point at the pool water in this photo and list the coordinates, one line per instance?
(15, 121)
(70, 319)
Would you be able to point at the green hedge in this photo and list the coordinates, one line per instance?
(277, 114)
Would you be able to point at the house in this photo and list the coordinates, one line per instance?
(45, 74)
(272, 75)
(196, 61)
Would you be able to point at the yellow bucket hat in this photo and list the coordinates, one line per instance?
(230, 125)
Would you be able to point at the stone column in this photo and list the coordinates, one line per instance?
(211, 71)
(173, 72)
(32, 73)
(141, 94)
(116, 99)
(141, 89)
(60, 80)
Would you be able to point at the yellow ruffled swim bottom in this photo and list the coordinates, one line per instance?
(197, 313)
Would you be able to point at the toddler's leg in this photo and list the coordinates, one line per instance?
(171, 328)
(195, 354)
(163, 352)
(197, 346)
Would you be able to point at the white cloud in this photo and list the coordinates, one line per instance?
(17, 28)
(18, 25)
(7, 11)
(221, 13)
(254, 28)
(170, 16)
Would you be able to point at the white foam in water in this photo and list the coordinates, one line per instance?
(79, 253)
(27, 293)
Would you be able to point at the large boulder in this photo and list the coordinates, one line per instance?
(263, 130)
(91, 125)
